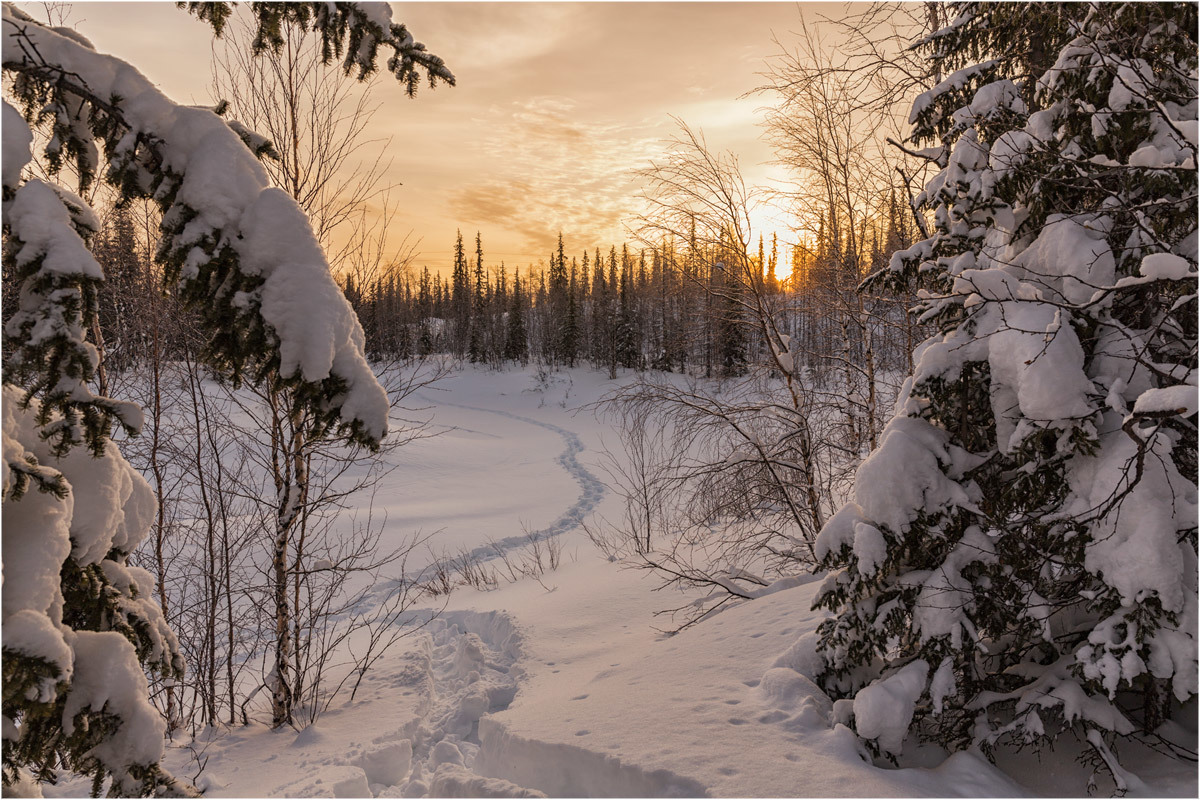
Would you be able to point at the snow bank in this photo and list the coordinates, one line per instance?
(566, 770)
(388, 764)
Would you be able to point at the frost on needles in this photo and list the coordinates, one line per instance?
(1019, 561)
(80, 624)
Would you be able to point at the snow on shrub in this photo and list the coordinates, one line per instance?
(80, 625)
(1036, 492)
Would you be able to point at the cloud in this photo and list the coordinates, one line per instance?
(492, 204)
(558, 104)
(478, 40)
(550, 167)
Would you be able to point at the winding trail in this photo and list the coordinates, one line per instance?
(591, 493)
(592, 489)
(470, 665)
(467, 663)
(441, 721)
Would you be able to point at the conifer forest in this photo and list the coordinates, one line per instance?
(600, 399)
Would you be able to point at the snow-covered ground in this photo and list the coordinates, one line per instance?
(564, 686)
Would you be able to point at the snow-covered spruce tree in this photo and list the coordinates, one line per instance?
(1019, 561)
(79, 623)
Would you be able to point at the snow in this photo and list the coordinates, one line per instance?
(1047, 309)
(942, 685)
(1179, 400)
(40, 532)
(31, 563)
(955, 82)
(1127, 84)
(1035, 363)
(910, 447)
(870, 548)
(782, 353)
(994, 97)
(16, 148)
(839, 531)
(944, 597)
(138, 601)
(34, 634)
(884, 709)
(40, 220)
(319, 334)
(387, 764)
(345, 781)
(1115, 365)
(566, 687)
(1041, 359)
(120, 501)
(1166, 267)
(559, 683)
(1071, 253)
(1153, 157)
(31, 596)
(108, 677)
(377, 13)
(1137, 550)
(1009, 151)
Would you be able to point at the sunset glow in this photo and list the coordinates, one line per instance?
(556, 105)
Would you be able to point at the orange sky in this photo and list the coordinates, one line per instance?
(555, 104)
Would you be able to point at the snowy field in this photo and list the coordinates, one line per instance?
(564, 686)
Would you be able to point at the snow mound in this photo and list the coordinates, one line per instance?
(388, 764)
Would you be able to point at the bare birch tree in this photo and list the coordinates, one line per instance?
(727, 483)
(834, 113)
(318, 123)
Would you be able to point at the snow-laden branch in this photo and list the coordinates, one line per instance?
(243, 252)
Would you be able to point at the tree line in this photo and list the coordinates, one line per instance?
(666, 307)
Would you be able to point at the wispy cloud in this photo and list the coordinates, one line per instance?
(551, 167)
(556, 104)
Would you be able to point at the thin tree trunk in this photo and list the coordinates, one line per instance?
(299, 645)
(869, 369)
(207, 677)
(281, 692)
(291, 485)
(229, 632)
(101, 355)
(156, 471)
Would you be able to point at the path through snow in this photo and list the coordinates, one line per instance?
(562, 687)
(591, 487)
(462, 666)
(465, 666)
